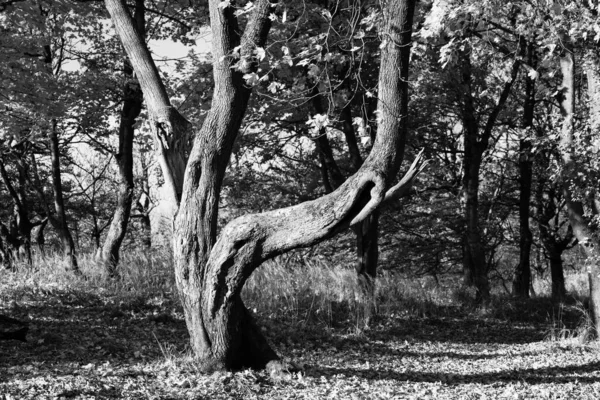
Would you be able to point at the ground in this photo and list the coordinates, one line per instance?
(87, 342)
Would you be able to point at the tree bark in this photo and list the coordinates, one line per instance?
(60, 221)
(196, 222)
(367, 253)
(132, 106)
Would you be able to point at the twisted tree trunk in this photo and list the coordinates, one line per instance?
(210, 273)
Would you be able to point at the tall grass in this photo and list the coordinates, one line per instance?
(140, 274)
(301, 290)
(315, 291)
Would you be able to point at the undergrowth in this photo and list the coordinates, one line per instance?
(303, 292)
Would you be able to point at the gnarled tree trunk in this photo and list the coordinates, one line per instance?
(223, 328)
(210, 273)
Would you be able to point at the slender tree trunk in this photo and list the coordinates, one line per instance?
(367, 234)
(335, 176)
(132, 106)
(367, 253)
(474, 260)
(61, 216)
(146, 232)
(143, 205)
(522, 279)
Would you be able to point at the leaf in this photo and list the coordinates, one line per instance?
(532, 74)
(251, 79)
(260, 53)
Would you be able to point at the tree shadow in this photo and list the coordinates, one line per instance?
(553, 375)
(72, 329)
(466, 330)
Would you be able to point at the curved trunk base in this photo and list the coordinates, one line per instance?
(236, 347)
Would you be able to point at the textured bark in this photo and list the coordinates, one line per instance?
(132, 106)
(196, 221)
(60, 222)
(522, 279)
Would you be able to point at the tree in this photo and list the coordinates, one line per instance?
(211, 272)
(132, 106)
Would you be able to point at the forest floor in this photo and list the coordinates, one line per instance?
(95, 344)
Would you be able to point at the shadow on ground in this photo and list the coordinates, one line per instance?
(75, 328)
(554, 375)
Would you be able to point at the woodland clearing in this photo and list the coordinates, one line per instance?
(127, 340)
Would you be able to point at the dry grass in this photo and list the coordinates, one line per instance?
(306, 291)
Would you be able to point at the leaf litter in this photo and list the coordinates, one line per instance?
(89, 345)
